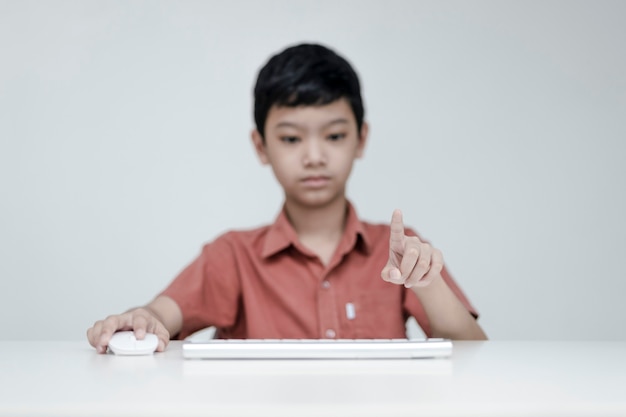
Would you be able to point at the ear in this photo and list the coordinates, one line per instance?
(259, 147)
(363, 134)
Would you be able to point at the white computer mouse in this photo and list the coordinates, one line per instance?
(125, 343)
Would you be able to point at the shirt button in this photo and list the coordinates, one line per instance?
(330, 334)
(325, 284)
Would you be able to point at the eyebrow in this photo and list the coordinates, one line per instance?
(297, 126)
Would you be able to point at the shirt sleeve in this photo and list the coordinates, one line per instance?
(208, 290)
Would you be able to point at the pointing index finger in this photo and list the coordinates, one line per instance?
(396, 237)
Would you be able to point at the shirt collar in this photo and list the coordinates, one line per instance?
(281, 235)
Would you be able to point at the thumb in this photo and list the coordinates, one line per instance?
(391, 273)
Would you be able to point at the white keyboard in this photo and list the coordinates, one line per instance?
(317, 349)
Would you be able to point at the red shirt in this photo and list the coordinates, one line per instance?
(263, 283)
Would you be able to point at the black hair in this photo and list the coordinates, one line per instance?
(306, 75)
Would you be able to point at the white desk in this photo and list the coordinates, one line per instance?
(482, 379)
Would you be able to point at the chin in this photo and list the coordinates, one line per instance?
(316, 200)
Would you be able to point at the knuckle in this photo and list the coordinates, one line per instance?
(109, 322)
(140, 321)
(138, 315)
(413, 251)
(137, 312)
(422, 263)
(413, 240)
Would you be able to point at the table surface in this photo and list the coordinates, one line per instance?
(494, 378)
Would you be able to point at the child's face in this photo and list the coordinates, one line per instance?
(311, 150)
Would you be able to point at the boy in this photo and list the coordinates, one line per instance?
(318, 271)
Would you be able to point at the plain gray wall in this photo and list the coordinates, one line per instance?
(497, 126)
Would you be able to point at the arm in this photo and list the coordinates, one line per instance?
(418, 266)
(162, 317)
(448, 317)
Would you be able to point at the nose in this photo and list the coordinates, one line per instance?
(314, 153)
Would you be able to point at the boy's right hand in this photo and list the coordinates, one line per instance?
(140, 320)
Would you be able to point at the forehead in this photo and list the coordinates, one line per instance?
(310, 116)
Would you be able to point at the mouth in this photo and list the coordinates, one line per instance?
(315, 181)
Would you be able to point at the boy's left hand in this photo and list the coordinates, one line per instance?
(412, 262)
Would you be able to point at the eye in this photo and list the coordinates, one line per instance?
(336, 136)
(289, 139)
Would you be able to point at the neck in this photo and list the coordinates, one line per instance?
(325, 222)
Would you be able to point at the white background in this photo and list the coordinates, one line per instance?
(497, 126)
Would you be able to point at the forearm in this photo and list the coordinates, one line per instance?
(447, 316)
(165, 310)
